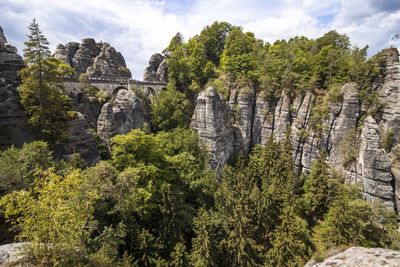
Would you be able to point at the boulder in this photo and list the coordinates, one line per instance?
(360, 256)
(13, 255)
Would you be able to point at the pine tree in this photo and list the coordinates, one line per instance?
(319, 190)
(148, 248)
(204, 244)
(238, 208)
(290, 241)
(40, 90)
(179, 256)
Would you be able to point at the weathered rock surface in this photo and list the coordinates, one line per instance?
(374, 165)
(212, 120)
(360, 256)
(157, 69)
(13, 121)
(12, 255)
(122, 114)
(98, 60)
(80, 140)
(233, 125)
(241, 104)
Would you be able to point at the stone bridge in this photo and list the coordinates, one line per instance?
(111, 86)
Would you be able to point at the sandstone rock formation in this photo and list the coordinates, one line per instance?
(98, 60)
(80, 140)
(13, 255)
(157, 69)
(374, 165)
(212, 120)
(359, 256)
(13, 121)
(125, 112)
(232, 125)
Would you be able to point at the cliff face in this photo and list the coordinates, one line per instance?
(125, 112)
(157, 69)
(14, 128)
(13, 121)
(245, 119)
(98, 60)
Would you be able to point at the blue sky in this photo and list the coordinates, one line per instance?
(139, 28)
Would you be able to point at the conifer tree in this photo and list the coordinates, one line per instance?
(290, 241)
(319, 190)
(238, 207)
(204, 246)
(148, 248)
(179, 256)
(40, 90)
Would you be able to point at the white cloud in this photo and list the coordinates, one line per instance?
(139, 28)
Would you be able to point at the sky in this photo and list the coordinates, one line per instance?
(140, 28)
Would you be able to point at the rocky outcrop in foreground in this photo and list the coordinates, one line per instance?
(12, 255)
(98, 60)
(359, 256)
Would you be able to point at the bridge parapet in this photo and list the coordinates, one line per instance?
(73, 85)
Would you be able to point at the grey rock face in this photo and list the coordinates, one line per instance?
(212, 121)
(374, 165)
(119, 116)
(98, 60)
(12, 255)
(14, 129)
(157, 69)
(80, 140)
(109, 64)
(241, 105)
(3, 39)
(359, 256)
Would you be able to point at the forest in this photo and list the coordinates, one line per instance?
(153, 200)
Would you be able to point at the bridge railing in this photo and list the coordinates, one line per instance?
(113, 80)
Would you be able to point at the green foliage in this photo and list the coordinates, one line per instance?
(40, 87)
(239, 58)
(352, 222)
(319, 114)
(179, 256)
(156, 203)
(175, 42)
(170, 110)
(320, 190)
(291, 244)
(387, 140)
(18, 167)
(205, 244)
(349, 147)
(54, 216)
(191, 65)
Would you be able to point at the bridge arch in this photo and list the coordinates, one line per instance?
(116, 90)
(150, 92)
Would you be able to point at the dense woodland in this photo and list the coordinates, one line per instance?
(154, 201)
